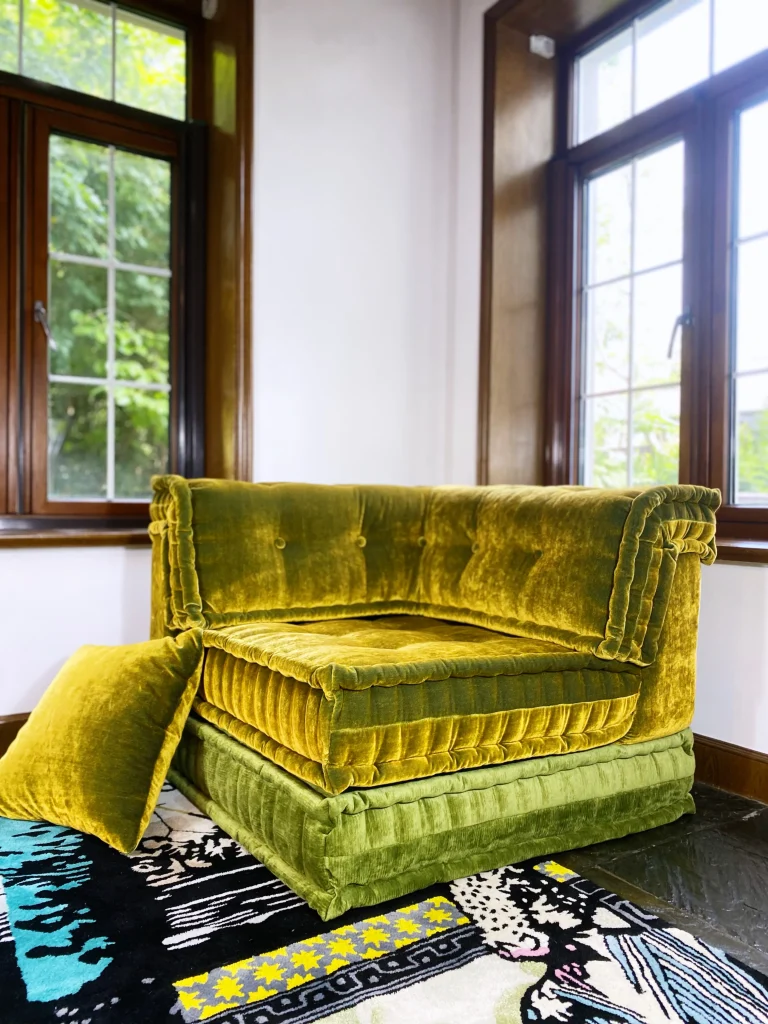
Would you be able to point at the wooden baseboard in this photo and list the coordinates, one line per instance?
(9, 726)
(732, 768)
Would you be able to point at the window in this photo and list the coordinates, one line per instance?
(109, 280)
(661, 54)
(130, 58)
(748, 332)
(100, 337)
(632, 298)
(661, 348)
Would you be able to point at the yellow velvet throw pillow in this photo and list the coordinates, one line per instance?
(95, 751)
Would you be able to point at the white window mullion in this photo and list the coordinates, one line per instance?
(97, 261)
(111, 331)
(113, 84)
(21, 37)
(630, 393)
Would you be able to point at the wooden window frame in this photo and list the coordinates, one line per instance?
(41, 124)
(29, 112)
(704, 113)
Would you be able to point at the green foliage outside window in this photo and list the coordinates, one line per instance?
(80, 317)
(70, 44)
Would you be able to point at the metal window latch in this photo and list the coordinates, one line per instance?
(41, 317)
(684, 320)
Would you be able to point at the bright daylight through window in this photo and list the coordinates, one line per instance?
(634, 260)
(632, 298)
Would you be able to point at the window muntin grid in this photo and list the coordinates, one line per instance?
(631, 297)
(108, 372)
(666, 51)
(101, 49)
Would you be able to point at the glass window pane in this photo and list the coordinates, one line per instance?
(609, 212)
(9, 35)
(658, 303)
(78, 188)
(672, 51)
(607, 363)
(605, 441)
(77, 441)
(752, 440)
(741, 29)
(604, 78)
(659, 204)
(151, 61)
(142, 210)
(753, 170)
(141, 327)
(77, 315)
(141, 440)
(69, 43)
(655, 437)
(751, 320)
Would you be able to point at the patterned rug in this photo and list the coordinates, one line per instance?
(191, 928)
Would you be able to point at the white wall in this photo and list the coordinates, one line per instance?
(732, 685)
(365, 333)
(52, 600)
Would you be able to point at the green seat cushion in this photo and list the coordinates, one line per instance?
(368, 702)
(365, 846)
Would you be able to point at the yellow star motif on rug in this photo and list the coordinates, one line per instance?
(228, 988)
(374, 936)
(341, 946)
(407, 927)
(552, 869)
(299, 979)
(269, 973)
(190, 1000)
(306, 958)
(373, 953)
(437, 915)
(261, 993)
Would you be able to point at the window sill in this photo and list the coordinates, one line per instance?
(74, 538)
(731, 549)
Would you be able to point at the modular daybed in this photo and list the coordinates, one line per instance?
(406, 685)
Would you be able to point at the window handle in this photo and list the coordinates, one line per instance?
(684, 320)
(41, 317)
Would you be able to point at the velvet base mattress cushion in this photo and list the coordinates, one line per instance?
(365, 846)
(368, 702)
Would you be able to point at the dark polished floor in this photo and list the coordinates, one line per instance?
(707, 873)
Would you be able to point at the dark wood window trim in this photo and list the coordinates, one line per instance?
(27, 110)
(40, 124)
(704, 114)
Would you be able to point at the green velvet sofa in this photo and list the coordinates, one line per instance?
(406, 685)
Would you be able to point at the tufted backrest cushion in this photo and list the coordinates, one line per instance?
(587, 568)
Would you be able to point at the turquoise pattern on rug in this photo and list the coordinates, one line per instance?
(45, 875)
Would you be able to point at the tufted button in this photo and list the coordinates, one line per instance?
(361, 542)
(279, 543)
(422, 542)
(475, 548)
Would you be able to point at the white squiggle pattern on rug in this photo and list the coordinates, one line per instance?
(181, 852)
